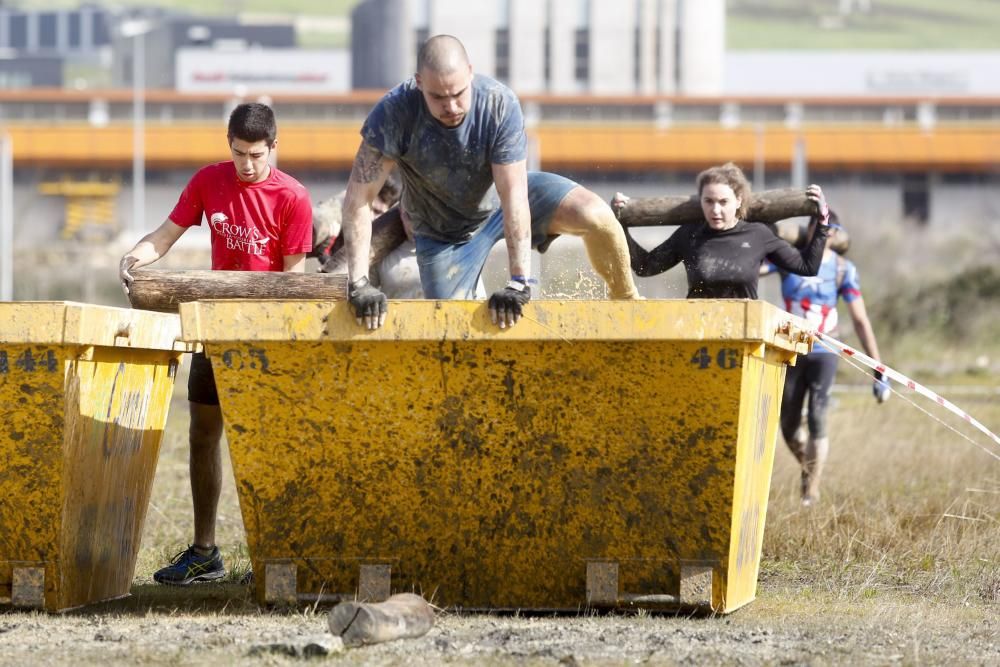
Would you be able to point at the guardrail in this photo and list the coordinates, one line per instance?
(619, 147)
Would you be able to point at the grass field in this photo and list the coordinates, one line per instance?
(891, 24)
(751, 24)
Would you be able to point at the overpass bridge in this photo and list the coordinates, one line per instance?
(93, 130)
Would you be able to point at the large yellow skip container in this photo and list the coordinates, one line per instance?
(598, 453)
(84, 393)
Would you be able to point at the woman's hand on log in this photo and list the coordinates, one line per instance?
(815, 194)
(618, 203)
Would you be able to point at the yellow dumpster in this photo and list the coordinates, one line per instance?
(597, 454)
(84, 392)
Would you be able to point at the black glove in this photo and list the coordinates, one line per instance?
(367, 302)
(507, 304)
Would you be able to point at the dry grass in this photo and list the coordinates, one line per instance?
(909, 508)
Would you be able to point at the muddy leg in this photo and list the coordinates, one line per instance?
(797, 443)
(582, 213)
(813, 461)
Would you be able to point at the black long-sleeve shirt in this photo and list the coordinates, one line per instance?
(726, 264)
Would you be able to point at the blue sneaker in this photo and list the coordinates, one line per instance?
(190, 566)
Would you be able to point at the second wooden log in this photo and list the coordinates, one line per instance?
(767, 206)
(164, 291)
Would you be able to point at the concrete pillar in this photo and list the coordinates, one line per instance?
(612, 47)
(646, 24)
(383, 49)
(926, 116)
(703, 46)
(32, 26)
(563, 23)
(87, 29)
(527, 46)
(474, 23)
(667, 26)
(62, 31)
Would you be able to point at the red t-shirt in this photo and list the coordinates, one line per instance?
(254, 225)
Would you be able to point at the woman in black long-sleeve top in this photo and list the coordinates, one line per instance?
(722, 257)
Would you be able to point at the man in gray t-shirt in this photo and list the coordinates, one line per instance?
(458, 141)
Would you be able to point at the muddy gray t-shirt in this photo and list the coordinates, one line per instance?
(447, 175)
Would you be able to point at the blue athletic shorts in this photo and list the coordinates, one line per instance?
(451, 270)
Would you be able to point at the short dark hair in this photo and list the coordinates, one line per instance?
(253, 122)
(442, 54)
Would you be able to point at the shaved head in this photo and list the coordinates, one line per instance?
(442, 54)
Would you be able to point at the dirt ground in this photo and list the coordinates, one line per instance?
(900, 564)
(216, 625)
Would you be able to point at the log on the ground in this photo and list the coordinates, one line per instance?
(767, 206)
(387, 235)
(163, 291)
(402, 616)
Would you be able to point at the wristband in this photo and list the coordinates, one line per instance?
(359, 283)
(524, 280)
(516, 285)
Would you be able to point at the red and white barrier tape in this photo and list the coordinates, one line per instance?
(848, 351)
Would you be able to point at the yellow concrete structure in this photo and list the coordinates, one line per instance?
(84, 393)
(87, 202)
(598, 453)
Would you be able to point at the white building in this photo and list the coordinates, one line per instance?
(601, 47)
(261, 71)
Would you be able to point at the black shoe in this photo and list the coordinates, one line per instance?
(190, 566)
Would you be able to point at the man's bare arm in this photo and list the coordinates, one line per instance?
(150, 248)
(512, 186)
(367, 177)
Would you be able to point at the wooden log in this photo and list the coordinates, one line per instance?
(163, 291)
(767, 206)
(402, 616)
(387, 235)
(797, 234)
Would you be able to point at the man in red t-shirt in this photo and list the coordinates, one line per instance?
(260, 220)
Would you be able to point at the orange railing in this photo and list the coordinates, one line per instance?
(625, 147)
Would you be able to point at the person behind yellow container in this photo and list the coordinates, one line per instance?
(327, 217)
(260, 220)
(809, 381)
(458, 139)
(722, 256)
